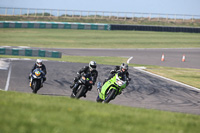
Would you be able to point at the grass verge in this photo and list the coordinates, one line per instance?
(62, 114)
(63, 38)
(185, 75)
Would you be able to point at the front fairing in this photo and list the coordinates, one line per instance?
(111, 84)
(86, 79)
(37, 74)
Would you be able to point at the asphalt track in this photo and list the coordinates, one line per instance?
(144, 91)
(173, 57)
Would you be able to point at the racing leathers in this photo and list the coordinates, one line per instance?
(43, 68)
(116, 70)
(84, 70)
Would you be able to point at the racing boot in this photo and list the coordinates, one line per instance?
(84, 95)
(75, 80)
(74, 89)
(71, 86)
(30, 83)
(99, 87)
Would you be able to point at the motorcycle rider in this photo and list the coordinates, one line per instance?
(40, 65)
(91, 69)
(123, 69)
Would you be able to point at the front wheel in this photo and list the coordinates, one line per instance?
(99, 100)
(35, 85)
(110, 95)
(80, 92)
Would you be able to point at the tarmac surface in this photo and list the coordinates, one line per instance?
(144, 90)
(173, 57)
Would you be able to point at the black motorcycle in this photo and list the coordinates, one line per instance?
(36, 79)
(82, 86)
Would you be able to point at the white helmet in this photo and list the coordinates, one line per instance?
(124, 67)
(39, 62)
(92, 65)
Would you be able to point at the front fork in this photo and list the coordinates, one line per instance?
(31, 79)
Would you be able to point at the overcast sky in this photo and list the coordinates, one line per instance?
(191, 7)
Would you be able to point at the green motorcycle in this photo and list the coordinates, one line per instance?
(111, 88)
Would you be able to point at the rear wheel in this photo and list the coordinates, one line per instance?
(110, 95)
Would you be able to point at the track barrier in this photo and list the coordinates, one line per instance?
(53, 25)
(30, 52)
(94, 26)
(155, 28)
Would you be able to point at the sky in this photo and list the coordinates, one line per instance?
(188, 7)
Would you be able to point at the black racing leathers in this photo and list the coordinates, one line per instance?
(116, 70)
(84, 70)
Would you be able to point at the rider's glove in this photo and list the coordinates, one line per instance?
(128, 79)
(112, 71)
(78, 75)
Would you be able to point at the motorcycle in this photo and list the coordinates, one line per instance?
(36, 79)
(111, 88)
(84, 84)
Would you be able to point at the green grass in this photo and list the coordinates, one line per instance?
(78, 59)
(29, 113)
(185, 75)
(63, 38)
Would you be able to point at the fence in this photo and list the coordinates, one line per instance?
(154, 28)
(125, 16)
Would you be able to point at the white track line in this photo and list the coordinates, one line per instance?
(8, 78)
(129, 60)
(194, 88)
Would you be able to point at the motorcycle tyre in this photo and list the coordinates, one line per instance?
(110, 96)
(80, 92)
(35, 86)
(99, 100)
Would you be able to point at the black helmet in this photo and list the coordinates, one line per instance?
(124, 67)
(92, 65)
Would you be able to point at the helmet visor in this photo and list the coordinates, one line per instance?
(39, 64)
(93, 66)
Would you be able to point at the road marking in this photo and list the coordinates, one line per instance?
(23, 47)
(4, 65)
(6, 46)
(129, 60)
(194, 88)
(8, 78)
(15, 59)
(140, 68)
